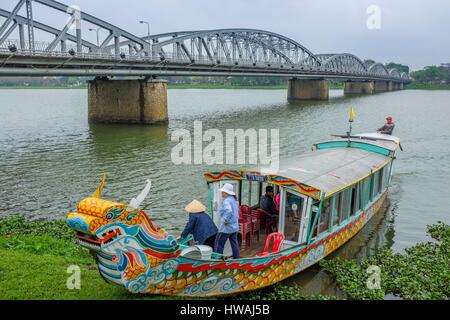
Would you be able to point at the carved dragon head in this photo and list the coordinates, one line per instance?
(123, 238)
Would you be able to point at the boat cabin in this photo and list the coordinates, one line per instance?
(319, 192)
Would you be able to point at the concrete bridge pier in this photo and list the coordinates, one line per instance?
(306, 89)
(382, 86)
(358, 87)
(139, 101)
(397, 86)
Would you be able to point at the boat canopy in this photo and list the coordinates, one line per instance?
(333, 166)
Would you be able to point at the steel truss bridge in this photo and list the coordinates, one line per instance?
(222, 52)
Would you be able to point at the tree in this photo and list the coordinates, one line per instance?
(432, 74)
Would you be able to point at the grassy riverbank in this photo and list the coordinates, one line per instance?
(36, 256)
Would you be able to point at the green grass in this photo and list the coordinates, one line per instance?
(35, 256)
(27, 276)
(34, 261)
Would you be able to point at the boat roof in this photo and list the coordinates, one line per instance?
(336, 164)
(331, 170)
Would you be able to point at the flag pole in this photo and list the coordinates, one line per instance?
(351, 117)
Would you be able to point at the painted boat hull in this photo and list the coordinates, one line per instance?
(181, 276)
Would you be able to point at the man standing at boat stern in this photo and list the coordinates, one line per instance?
(229, 225)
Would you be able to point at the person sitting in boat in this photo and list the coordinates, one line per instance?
(277, 200)
(388, 128)
(229, 221)
(268, 204)
(200, 224)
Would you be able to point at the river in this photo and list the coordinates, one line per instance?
(51, 157)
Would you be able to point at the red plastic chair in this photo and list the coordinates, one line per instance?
(265, 221)
(245, 227)
(278, 239)
(250, 215)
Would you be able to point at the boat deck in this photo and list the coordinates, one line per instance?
(255, 246)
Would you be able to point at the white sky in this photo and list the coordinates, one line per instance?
(413, 32)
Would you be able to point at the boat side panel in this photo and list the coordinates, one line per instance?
(195, 278)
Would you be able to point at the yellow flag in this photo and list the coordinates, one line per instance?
(98, 192)
(351, 114)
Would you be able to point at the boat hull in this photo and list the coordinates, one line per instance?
(181, 276)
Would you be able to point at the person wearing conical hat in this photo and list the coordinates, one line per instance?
(200, 224)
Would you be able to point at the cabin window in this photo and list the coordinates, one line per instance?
(380, 180)
(251, 192)
(385, 180)
(293, 208)
(315, 208)
(375, 184)
(354, 203)
(324, 218)
(344, 204)
(254, 193)
(243, 196)
(337, 200)
(363, 193)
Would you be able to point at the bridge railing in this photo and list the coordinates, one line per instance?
(13, 48)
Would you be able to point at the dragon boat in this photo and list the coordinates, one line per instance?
(326, 196)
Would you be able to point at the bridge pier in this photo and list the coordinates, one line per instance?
(302, 89)
(382, 86)
(397, 86)
(127, 101)
(358, 87)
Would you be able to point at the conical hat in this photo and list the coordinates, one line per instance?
(195, 206)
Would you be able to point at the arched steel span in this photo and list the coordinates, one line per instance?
(378, 69)
(343, 62)
(77, 19)
(234, 46)
(394, 73)
(221, 51)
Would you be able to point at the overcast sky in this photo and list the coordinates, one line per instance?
(413, 32)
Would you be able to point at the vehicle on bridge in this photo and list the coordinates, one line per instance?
(326, 197)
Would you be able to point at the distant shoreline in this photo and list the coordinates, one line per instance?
(413, 86)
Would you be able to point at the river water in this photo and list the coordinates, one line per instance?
(51, 157)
